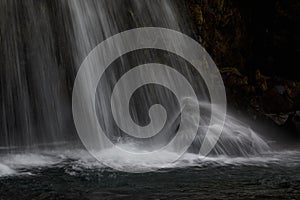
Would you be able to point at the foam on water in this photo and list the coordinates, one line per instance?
(5, 170)
(12, 163)
(77, 161)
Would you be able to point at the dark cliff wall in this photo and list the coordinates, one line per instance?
(251, 34)
(256, 45)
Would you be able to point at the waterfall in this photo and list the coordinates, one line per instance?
(34, 91)
(44, 43)
(93, 21)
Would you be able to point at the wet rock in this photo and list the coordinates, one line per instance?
(293, 123)
(219, 23)
(234, 80)
(296, 121)
(261, 81)
(277, 100)
(247, 34)
(295, 94)
(297, 102)
(279, 119)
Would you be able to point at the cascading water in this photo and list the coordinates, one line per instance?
(94, 21)
(41, 55)
(34, 88)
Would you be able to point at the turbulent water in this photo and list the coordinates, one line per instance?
(43, 45)
(76, 175)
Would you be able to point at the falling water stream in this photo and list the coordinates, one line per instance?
(43, 44)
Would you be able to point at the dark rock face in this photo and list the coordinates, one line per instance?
(266, 96)
(254, 43)
(277, 101)
(222, 32)
(251, 35)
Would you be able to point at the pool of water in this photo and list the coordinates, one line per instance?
(74, 174)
